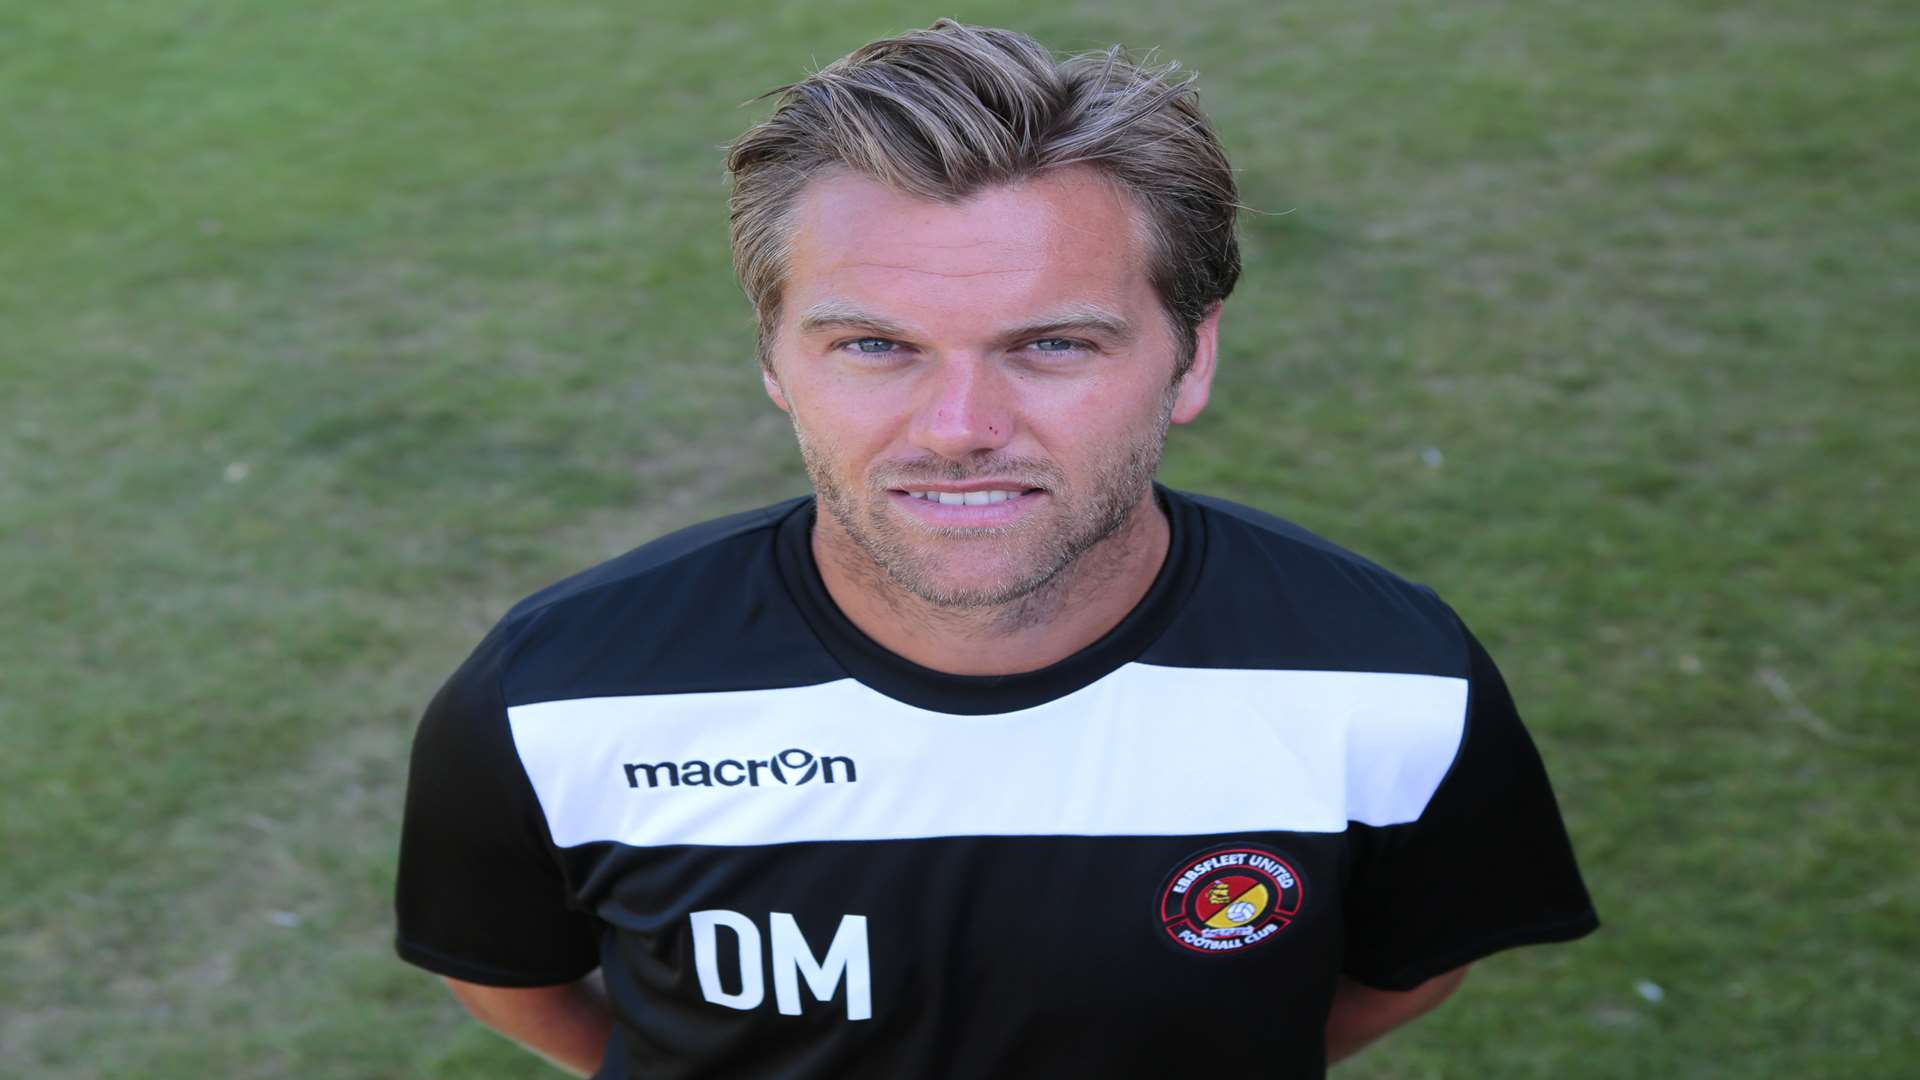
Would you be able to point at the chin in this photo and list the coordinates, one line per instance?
(980, 589)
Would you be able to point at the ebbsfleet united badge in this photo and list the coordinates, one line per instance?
(1229, 899)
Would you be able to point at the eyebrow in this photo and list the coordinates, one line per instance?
(840, 315)
(1081, 318)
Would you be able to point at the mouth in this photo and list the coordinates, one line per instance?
(973, 497)
(978, 504)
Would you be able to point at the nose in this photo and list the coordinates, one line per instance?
(964, 409)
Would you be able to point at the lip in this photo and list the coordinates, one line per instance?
(980, 517)
(970, 485)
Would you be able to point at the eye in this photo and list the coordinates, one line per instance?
(872, 346)
(1058, 346)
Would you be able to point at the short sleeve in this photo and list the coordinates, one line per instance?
(1486, 866)
(480, 895)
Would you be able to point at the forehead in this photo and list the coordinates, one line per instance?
(1008, 250)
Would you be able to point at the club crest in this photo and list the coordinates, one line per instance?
(1229, 899)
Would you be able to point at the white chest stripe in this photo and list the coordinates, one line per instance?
(1146, 751)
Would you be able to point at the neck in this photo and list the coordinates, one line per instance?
(1071, 611)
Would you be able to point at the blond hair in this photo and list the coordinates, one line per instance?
(943, 112)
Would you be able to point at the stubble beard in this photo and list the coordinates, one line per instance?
(1117, 488)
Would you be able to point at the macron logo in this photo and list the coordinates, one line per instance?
(791, 767)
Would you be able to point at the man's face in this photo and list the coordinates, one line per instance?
(981, 391)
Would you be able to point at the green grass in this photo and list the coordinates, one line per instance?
(328, 331)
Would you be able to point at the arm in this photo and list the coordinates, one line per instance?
(481, 892)
(1361, 1014)
(566, 1024)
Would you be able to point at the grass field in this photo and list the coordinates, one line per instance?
(327, 331)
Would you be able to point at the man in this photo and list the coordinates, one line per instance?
(993, 758)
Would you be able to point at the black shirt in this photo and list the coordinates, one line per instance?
(794, 853)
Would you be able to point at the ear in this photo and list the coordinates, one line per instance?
(1197, 383)
(772, 384)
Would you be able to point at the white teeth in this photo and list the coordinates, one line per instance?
(966, 498)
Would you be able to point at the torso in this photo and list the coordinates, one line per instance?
(813, 860)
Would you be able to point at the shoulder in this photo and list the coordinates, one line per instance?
(1273, 594)
(704, 608)
(723, 541)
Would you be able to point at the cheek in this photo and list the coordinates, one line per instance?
(1093, 418)
(849, 429)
